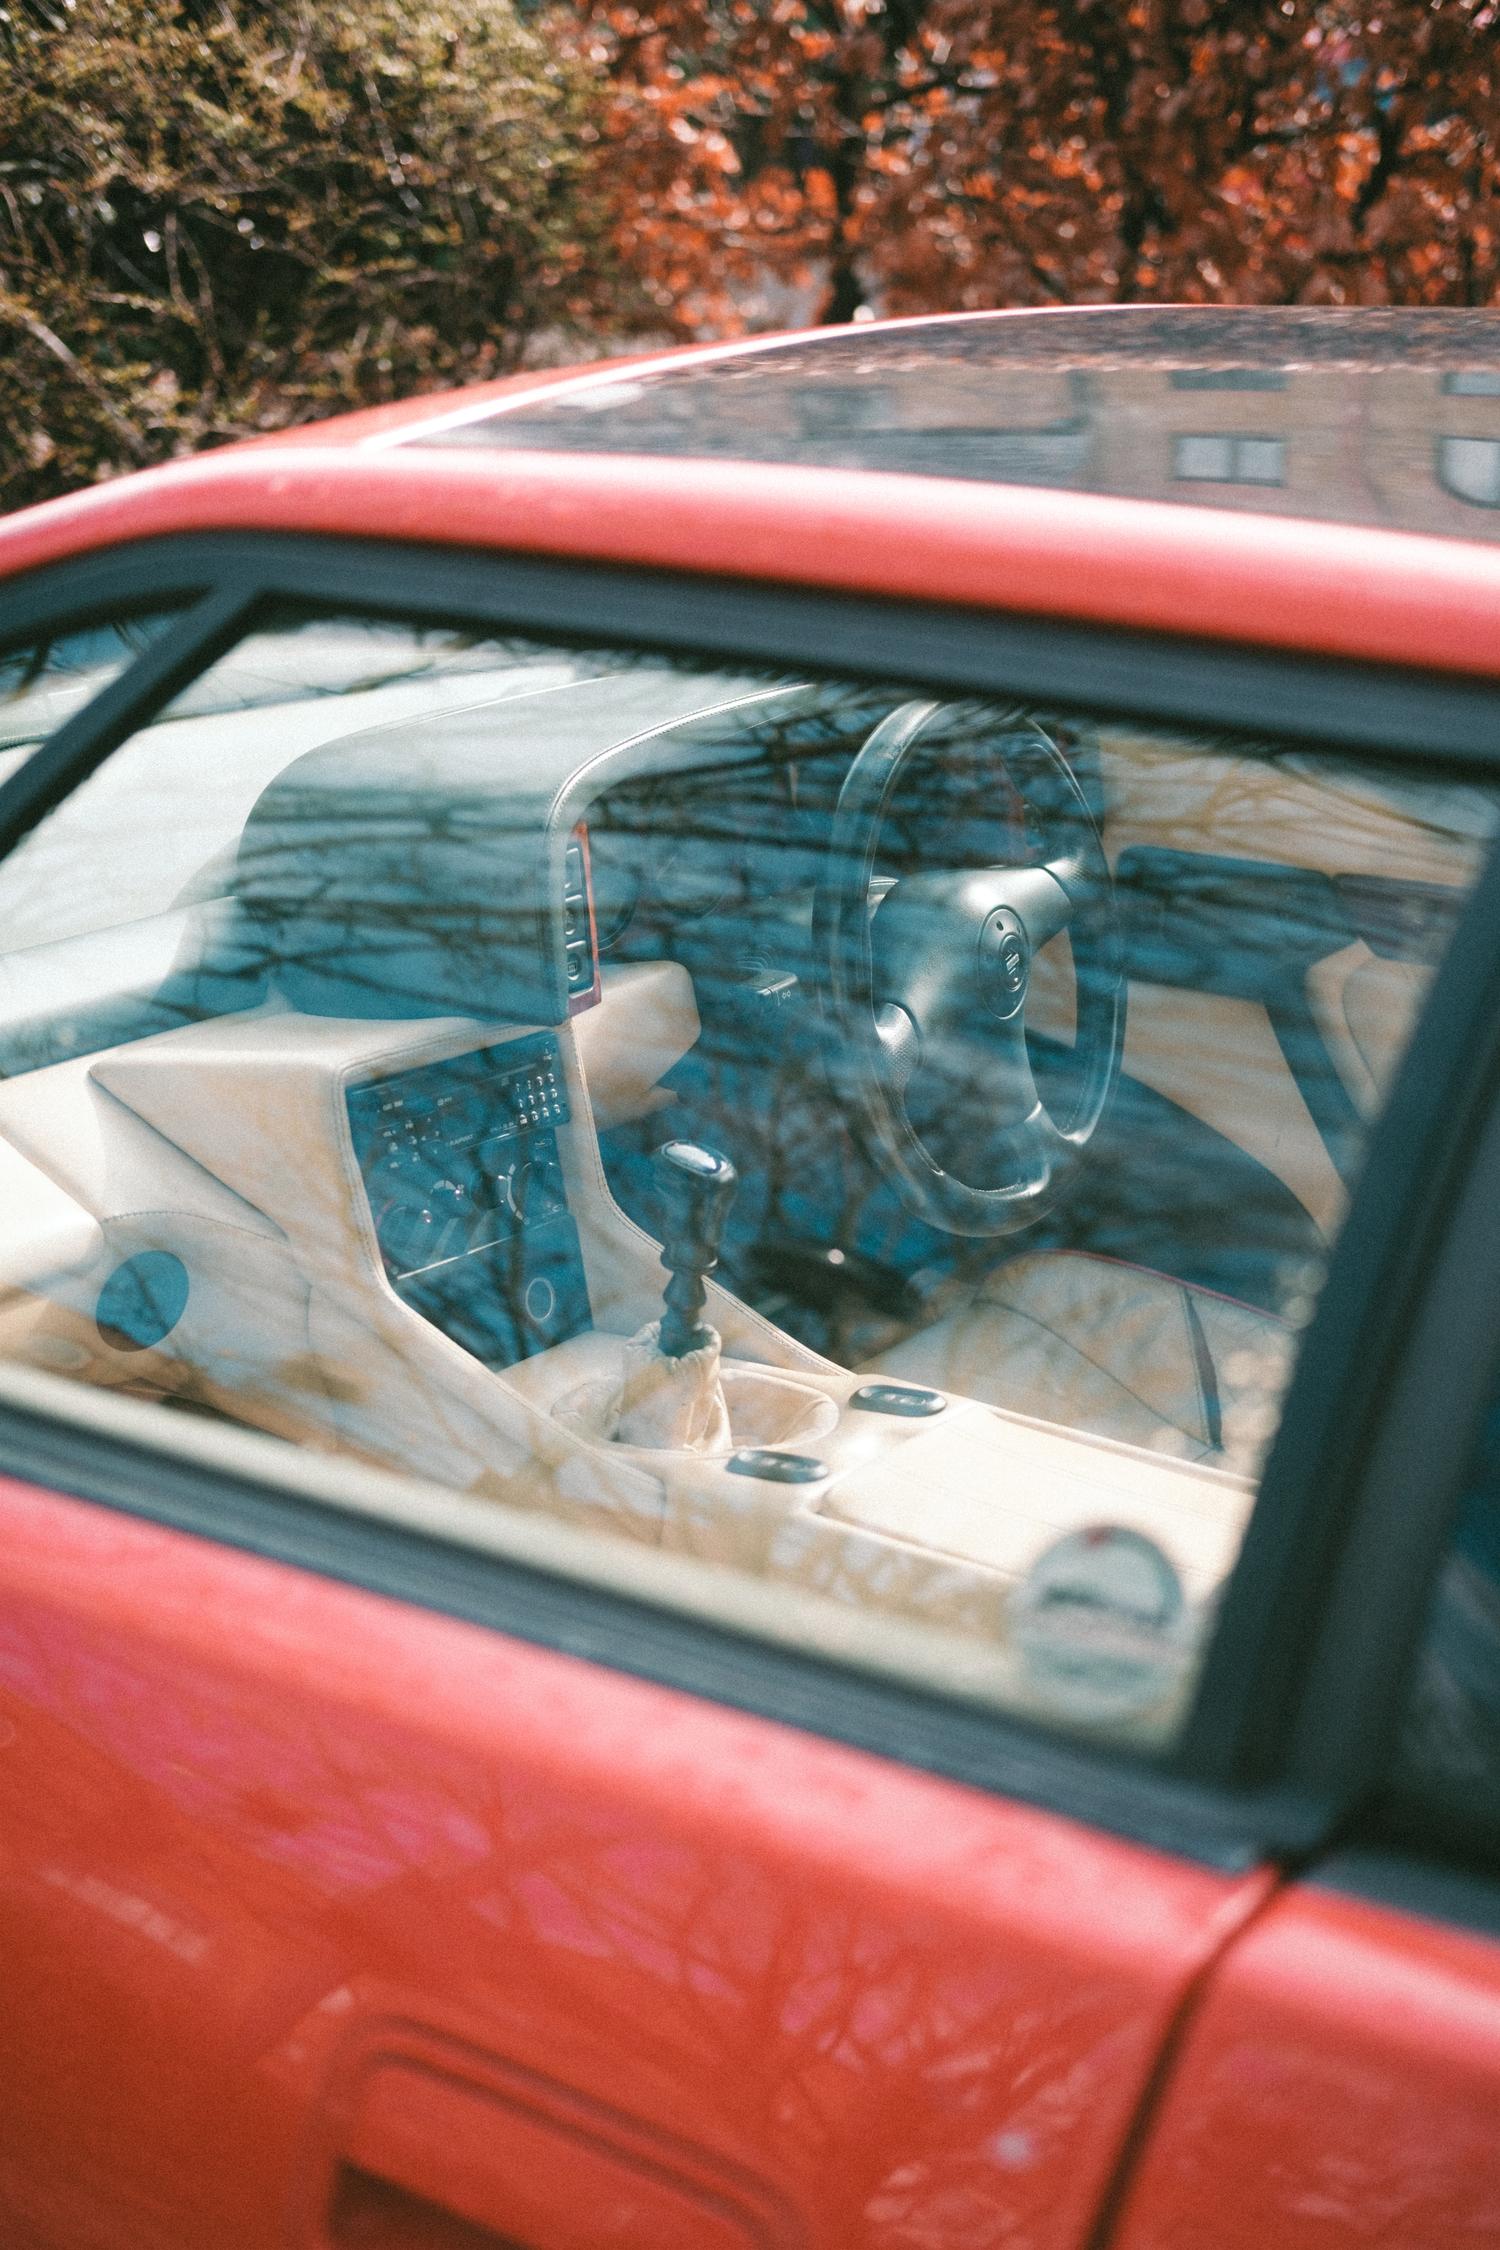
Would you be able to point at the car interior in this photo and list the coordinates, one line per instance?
(882, 1143)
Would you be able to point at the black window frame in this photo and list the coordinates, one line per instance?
(1287, 1738)
(1404, 1850)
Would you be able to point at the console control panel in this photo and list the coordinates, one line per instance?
(465, 1186)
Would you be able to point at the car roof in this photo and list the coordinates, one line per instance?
(749, 461)
(1377, 417)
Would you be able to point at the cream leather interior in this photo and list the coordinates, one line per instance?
(1134, 1354)
(240, 1126)
(1130, 1354)
(1365, 1009)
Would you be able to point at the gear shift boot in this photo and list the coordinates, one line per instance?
(762, 1406)
(670, 1393)
(672, 1401)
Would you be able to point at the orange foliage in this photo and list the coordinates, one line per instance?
(920, 155)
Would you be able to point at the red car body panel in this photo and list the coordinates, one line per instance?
(309, 1894)
(324, 1915)
(1328, 589)
(1337, 2088)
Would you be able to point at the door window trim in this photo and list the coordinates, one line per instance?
(1447, 1875)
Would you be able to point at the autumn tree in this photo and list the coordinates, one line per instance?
(919, 155)
(217, 216)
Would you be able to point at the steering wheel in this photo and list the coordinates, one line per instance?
(927, 975)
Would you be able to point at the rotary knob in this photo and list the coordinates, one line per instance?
(413, 1227)
(531, 1189)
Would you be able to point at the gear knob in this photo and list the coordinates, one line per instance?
(697, 1187)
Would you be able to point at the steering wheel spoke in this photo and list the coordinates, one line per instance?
(1037, 896)
(975, 1108)
(900, 1041)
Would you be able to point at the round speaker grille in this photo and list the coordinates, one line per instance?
(142, 1301)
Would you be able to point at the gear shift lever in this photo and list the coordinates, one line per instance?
(697, 1188)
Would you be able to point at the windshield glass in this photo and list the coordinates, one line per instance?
(45, 681)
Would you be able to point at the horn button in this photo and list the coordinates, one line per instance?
(1004, 963)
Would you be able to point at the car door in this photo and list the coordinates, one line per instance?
(383, 1864)
(1339, 2080)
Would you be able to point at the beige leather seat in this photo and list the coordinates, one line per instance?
(1113, 1349)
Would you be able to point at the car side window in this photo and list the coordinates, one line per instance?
(49, 678)
(1446, 1775)
(876, 1150)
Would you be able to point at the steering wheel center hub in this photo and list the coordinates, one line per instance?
(1004, 963)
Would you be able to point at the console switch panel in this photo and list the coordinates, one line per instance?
(465, 1184)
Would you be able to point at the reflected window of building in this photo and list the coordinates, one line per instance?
(1228, 379)
(1472, 382)
(1220, 458)
(1469, 468)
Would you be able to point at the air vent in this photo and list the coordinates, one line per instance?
(768, 980)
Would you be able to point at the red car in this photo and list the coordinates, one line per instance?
(748, 1348)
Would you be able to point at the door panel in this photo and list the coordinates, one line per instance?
(327, 1919)
(432, 2127)
(1338, 2089)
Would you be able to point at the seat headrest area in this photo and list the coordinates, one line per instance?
(393, 875)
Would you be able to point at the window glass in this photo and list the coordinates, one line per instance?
(993, 1076)
(46, 680)
(178, 796)
(1473, 382)
(1447, 1769)
(1228, 379)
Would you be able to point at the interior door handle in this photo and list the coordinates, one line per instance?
(431, 2159)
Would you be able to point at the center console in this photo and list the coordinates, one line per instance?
(465, 1186)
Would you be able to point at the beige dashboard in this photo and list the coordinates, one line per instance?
(226, 1144)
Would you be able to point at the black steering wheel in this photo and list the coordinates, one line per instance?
(927, 975)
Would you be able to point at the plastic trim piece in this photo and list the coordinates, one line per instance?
(1389, 710)
(1456, 1896)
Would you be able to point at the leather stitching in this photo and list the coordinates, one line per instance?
(1070, 1344)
